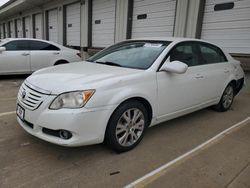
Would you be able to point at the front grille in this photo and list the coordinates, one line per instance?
(30, 98)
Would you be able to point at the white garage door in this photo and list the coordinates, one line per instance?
(103, 24)
(153, 18)
(53, 25)
(27, 27)
(1, 31)
(38, 26)
(73, 24)
(12, 30)
(5, 30)
(227, 23)
(19, 28)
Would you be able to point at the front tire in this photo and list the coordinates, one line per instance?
(127, 126)
(227, 99)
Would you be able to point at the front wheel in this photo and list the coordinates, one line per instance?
(127, 126)
(226, 100)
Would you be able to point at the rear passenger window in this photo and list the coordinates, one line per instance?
(18, 45)
(38, 45)
(185, 52)
(211, 54)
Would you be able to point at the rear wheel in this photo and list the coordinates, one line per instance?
(127, 126)
(226, 100)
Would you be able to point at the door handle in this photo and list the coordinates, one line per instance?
(56, 53)
(25, 54)
(226, 71)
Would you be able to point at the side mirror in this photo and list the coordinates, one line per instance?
(2, 49)
(174, 67)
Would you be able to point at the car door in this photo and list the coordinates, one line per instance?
(16, 58)
(43, 54)
(178, 93)
(215, 70)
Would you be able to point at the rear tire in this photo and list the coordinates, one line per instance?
(127, 126)
(227, 99)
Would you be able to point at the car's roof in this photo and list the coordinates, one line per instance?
(171, 39)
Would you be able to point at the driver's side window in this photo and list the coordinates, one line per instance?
(184, 52)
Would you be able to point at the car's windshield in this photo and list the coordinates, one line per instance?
(131, 54)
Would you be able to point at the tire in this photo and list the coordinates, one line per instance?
(123, 132)
(227, 99)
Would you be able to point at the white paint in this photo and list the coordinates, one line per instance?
(7, 113)
(19, 28)
(103, 33)
(38, 26)
(27, 27)
(228, 28)
(187, 154)
(73, 24)
(159, 21)
(12, 30)
(114, 85)
(1, 31)
(53, 25)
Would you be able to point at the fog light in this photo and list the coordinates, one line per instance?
(65, 134)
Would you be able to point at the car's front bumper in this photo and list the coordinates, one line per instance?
(86, 125)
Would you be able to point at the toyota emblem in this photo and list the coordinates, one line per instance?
(23, 94)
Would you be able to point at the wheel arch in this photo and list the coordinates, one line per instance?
(61, 61)
(142, 100)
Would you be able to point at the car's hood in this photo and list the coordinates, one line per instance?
(77, 76)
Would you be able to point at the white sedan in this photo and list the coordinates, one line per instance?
(23, 56)
(121, 91)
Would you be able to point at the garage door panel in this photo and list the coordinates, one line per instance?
(53, 25)
(165, 6)
(230, 15)
(27, 27)
(19, 28)
(103, 20)
(156, 18)
(12, 30)
(73, 22)
(154, 23)
(158, 14)
(1, 31)
(140, 3)
(232, 25)
(38, 26)
(150, 34)
(228, 28)
(242, 4)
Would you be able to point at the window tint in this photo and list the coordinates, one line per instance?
(18, 45)
(211, 54)
(38, 45)
(186, 53)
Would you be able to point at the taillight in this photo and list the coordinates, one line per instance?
(79, 54)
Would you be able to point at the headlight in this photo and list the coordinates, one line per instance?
(75, 99)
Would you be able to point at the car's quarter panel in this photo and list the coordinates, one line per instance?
(41, 59)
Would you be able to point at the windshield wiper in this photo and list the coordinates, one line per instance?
(108, 63)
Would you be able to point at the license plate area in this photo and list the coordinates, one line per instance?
(20, 112)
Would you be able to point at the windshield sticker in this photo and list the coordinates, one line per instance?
(154, 45)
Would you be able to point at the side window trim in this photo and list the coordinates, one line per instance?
(196, 43)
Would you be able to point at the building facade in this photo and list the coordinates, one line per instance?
(90, 25)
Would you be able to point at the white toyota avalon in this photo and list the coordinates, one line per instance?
(117, 94)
